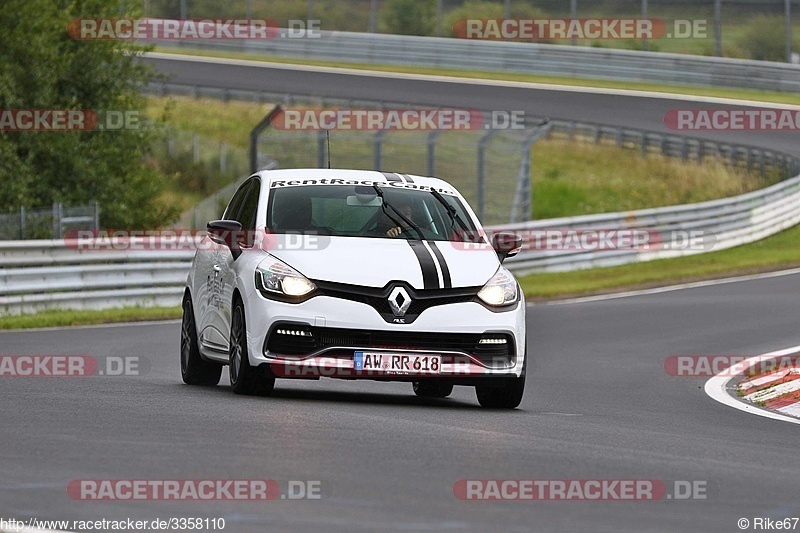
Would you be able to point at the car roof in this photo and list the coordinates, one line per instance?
(271, 176)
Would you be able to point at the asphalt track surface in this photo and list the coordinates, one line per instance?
(612, 109)
(599, 405)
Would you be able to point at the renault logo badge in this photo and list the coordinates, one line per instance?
(399, 301)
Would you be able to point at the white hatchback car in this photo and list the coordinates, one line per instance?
(356, 275)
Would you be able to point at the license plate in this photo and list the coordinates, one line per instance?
(397, 363)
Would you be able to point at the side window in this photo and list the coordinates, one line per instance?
(247, 216)
(232, 211)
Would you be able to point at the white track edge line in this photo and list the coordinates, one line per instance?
(670, 288)
(716, 388)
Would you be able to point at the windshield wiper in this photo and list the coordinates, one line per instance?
(385, 204)
(454, 216)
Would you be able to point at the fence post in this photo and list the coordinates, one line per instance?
(521, 206)
(482, 172)
(195, 148)
(432, 152)
(377, 161)
(22, 222)
(223, 157)
(56, 220)
(322, 137)
(96, 215)
(254, 135)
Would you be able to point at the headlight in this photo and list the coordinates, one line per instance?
(500, 290)
(277, 277)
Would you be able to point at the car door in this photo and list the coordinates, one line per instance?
(213, 333)
(228, 261)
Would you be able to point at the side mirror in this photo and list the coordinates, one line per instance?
(506, 244)
(228, 232)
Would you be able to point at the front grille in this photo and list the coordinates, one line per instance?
(329, 339)
(378, 298)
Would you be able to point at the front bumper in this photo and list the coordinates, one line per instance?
(338, 328)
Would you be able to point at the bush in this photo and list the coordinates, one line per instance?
(765, 39)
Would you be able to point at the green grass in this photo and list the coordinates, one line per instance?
(773, 253)
(60, 318)
(579, 179)
(676, 88)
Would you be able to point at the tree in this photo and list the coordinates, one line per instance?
(42, 67)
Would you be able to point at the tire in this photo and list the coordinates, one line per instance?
(505, 393)
(194, 369)
(432, 389)
(245, 379)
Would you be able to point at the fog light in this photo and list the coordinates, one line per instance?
(297, 332)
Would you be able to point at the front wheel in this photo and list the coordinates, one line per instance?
(246, 379)
(432, 389)
(194, 369)
(504, 395)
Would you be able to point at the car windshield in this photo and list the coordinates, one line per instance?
(359, 211)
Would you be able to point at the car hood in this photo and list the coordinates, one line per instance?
(373, 262)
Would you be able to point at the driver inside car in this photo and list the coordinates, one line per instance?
(407, 212)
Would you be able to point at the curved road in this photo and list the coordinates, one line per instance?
(617, 108)
(599, 405)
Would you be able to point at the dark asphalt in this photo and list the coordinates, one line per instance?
(619, 110)
(598, 405)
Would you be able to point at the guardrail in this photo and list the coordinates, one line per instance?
(39, 275)
(531, 58)
(729, 222)
(47, 274)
